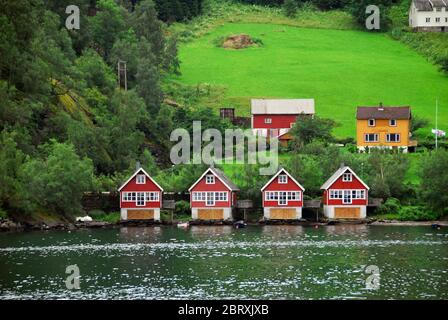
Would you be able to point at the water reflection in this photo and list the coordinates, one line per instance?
(281, 232)
(205, 232)
(140, 234)
(357, 230)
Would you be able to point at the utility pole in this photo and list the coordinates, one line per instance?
(122, 75)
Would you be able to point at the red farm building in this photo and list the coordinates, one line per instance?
(274, 118)
(345, 195)
(140, 197)
(282, 197)
(213, 196)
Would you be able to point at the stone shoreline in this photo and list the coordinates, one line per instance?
(10, 226)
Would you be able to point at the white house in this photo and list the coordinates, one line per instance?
(429, 15)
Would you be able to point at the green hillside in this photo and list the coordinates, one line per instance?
(339, 68)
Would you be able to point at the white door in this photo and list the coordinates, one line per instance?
(210, 199)
(141, 199)
(282, 198)
(347, 197)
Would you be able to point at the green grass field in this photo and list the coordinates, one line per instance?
(340, 69)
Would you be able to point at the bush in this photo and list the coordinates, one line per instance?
(182, 208)
(416, 213)
(3, 214)
(391, 206)
(96, 214)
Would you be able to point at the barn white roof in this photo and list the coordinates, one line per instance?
(282, 106)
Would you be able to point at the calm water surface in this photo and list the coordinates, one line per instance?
(269, 262)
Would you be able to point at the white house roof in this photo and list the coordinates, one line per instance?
(429, 5)
(221, 176)
(146, 174)
(287, 173)
(282, 106)
(339, 173)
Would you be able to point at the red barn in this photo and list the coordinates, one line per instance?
(282, 197)
(140, 197)
(274, 118)
(213, 196)
(345, 195)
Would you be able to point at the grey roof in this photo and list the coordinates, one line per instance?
(380, 112)
(429, 5)
(282, 106)
(226, 180)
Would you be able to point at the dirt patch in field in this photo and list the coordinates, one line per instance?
(239, 41)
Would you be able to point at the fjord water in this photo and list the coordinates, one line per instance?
(261, 262)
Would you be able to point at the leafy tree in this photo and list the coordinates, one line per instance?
(57, 181)
(307, 129)
(434, 177)
(308, 172)
(11, 158)
(418, 123)
(95, 72)
(106, 25)
(126, 49)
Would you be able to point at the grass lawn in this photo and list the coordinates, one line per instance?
(340, 69)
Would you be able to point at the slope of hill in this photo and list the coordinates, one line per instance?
(339, 68)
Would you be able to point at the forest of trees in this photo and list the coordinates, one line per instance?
(65, 126)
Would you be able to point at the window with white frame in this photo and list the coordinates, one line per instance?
(210, 179)
(335, 194)
(293, 196)
(283, 179)
(271, 196)
(428, 20)
(220, 196)
(347, 177)
(393, 137)
(141, 179)
(371, 137)
(198, 196)
(268, 120)
(393, 122)
(152, 196)
(129, 196)
(371, 122)
(437, 19)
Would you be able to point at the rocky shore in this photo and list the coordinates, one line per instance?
(7, 225)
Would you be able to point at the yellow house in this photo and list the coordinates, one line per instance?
(384, 127)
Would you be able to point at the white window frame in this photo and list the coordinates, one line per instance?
(371, 125)
(140, 179)
(347, 177)
(267, 120)
(375, 136)
(428, 20)
(283, 179)
(138, 199)
(210, 179)
(282, 201)
(397, 135)
(394, 122)
(336, 194)
(438, 19)
(210, 199)
(152, 196)
(349, 199)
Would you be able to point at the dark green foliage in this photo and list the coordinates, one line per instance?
(178, 10)
(182, 208)
(307, 129)
(290, 8)
(434, 176)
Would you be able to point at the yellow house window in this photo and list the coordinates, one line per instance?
(393, 122)
(371, 137)
(393, 137)
(371, 122)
